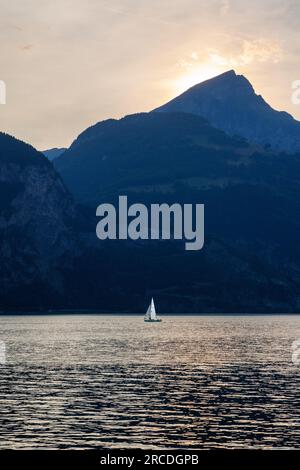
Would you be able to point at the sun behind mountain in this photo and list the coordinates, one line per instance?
(229, 102)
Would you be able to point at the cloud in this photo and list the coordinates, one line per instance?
(189, 61)
(256, 50)
(261, 50)
(71, 63)
(246, 52)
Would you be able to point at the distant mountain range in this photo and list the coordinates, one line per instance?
(51, 154)
(251, 258)
(229, 102)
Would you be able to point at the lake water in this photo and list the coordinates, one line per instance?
(98, 381)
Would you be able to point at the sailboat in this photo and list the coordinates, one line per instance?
(151, 313)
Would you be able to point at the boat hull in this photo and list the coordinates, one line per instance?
(153, 321)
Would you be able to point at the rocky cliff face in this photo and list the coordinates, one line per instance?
(37, 217)
(230, 103)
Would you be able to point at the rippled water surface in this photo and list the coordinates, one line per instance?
(99, 381)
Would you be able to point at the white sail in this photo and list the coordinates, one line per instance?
(151, 313)
(152, 310)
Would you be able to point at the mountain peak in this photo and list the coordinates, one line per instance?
(228, 73)
(230, 82)
(225, 76)
(229, 102)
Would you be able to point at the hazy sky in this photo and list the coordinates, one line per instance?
(70, 63)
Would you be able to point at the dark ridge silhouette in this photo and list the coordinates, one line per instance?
(230, 103)
(251, 255)
(51, 258)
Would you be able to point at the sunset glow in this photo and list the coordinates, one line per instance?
(116, 58)
(197, 75)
